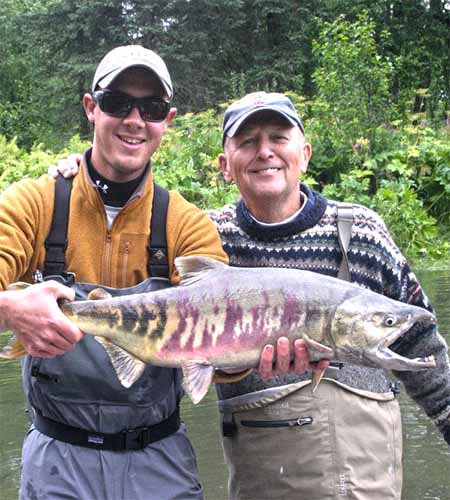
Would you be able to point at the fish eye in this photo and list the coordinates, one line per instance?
(390, 321)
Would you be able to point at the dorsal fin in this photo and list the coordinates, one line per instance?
(192, 269)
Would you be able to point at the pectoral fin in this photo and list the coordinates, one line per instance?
(316, 350)
(127, 367)
(317, 376)
(197, 377)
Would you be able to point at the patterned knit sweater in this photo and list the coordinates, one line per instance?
(310, 242)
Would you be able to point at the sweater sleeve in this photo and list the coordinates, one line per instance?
(21, 227)
(430, 388)
(191, 232)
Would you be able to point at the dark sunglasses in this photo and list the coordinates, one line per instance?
(118, 104)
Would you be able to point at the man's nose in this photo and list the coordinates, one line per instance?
(134, 116)
(265, 149)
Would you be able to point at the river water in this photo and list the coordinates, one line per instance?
(426, 456)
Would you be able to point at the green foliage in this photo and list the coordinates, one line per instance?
(353, 96)
(369, 78)
(187, 160)
(17, 164)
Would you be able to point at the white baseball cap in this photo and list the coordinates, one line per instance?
(121, 58)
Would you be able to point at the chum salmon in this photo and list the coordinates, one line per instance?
(220, 317)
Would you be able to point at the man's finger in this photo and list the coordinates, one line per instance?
(265, 368)
(321, 365)
(301, 360)
(283, 355)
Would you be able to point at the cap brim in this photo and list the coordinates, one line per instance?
(109, 78)
(231, 131)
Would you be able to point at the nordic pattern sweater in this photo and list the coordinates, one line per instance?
(310, 242)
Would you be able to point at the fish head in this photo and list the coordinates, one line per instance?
(366, 325)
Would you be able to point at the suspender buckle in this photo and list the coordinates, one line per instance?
(65, 278)
(228, 424)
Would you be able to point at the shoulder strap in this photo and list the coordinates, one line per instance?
(56, 242)
(158, 263)
(344, 228)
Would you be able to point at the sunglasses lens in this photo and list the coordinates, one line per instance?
(152, 109)
(120, 105)
(115, 104)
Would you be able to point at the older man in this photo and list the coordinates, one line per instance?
(281, 440)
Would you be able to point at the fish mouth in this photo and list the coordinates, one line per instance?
(383, 356)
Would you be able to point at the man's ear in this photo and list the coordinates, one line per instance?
(89, 107)
(171, 116)
(306, 155)
(225, 169)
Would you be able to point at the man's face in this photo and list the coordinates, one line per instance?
(123, 146)
(265, 159)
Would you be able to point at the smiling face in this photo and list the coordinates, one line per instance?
(123, 146)
(266, 158)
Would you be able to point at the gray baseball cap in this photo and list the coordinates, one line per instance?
(238, 112)
(121, 58)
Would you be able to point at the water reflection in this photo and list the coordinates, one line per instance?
(426, 456)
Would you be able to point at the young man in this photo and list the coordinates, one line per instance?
(344, 440)
(91, 438)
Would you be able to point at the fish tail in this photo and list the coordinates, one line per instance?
(13, 350)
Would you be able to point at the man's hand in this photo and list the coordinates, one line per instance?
(67, 168)
(34, 316)
(282, 359)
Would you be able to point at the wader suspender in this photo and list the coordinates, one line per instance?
(344, 228)
(56, 242)
(55, 245)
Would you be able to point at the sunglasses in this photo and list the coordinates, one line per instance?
(118, 104)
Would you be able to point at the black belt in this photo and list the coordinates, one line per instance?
(131, 439)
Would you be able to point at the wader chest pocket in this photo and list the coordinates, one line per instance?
(291, 422)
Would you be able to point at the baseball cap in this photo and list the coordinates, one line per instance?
(241, 110)
(121, 58)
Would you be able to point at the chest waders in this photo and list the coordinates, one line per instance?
(288, 443)
(76, 398)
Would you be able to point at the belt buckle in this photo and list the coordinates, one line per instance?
(135, 439)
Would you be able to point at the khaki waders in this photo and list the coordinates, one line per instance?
(336, 443)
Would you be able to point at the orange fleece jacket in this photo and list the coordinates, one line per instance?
(116, 258)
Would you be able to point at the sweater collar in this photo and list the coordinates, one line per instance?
(308, 217)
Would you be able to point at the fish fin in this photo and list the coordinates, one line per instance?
(127, 367)
(197, 377)
(316, 350)
(13, 349)
(98, 294)
(192, 269)
(20, 285)
(317, 376)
